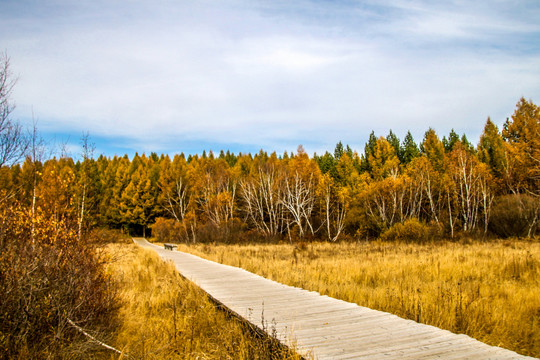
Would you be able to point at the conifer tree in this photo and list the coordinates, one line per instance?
(433, 148)
(230, 158)
(338, 151)
(346, 173)
(383, 160)
(349, 151)
(327, 163)
(522, 134)
(466, 144)
(491, 148)
(410, 149)
(449, 143)
(395, 142)
(368, 150)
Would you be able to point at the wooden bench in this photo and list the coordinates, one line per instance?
(170, 246)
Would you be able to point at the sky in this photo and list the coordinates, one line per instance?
(170, 76)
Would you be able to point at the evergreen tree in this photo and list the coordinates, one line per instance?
(230, 158)
(154, 157)
(365, 166)
(522, 134)
(449, 143)
(107, 171)
(326, 163)
(262, 155)
(410, 149)
(121, 168)
(349, 151)
(338, 151)
(466, 143)
(395, 142)
(491, 149)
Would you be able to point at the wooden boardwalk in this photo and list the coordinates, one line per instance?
(320, 326)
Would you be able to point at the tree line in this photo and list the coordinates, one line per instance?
(446, 186)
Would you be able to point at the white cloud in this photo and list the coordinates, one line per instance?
(270, 74)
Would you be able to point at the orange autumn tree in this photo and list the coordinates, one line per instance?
(522, 134)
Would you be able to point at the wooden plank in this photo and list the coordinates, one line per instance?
(320, 326)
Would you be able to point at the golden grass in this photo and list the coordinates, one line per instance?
(164, 316)
(490, 291)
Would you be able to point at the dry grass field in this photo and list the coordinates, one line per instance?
(488, 290)
(164, 316)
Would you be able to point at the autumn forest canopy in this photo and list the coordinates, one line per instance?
(395, 189)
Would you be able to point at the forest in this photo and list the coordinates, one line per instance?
(56, 212)
(394, 189)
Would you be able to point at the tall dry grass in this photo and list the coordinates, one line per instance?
(490, 291)
(164, 316)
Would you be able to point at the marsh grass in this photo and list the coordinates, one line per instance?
(164, 316)
(487, 290)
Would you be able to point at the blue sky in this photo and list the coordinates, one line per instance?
(183, 76)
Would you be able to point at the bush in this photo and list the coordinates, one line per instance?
(230, 232)
(412, 230)
(514, 215)
(104, 236)
(234, 231)
(168, 230)
(47, 280)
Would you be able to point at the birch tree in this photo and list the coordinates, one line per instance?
(84, 180)
(261, 193)
(299, 194)
(174, 192)
(216, 188)
(335, 202)
(13, 142)
(472, 187)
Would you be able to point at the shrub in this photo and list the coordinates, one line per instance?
(233, 231)
(514, 215)
(105, 236)
(168, 230)
(47, 280)
(230, 232)
(412, 230)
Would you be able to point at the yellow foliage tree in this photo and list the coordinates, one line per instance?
(384, 161)
(522, 134)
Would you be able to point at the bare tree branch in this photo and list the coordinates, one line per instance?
(13, 142)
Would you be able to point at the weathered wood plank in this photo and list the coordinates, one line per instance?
(320, 326)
